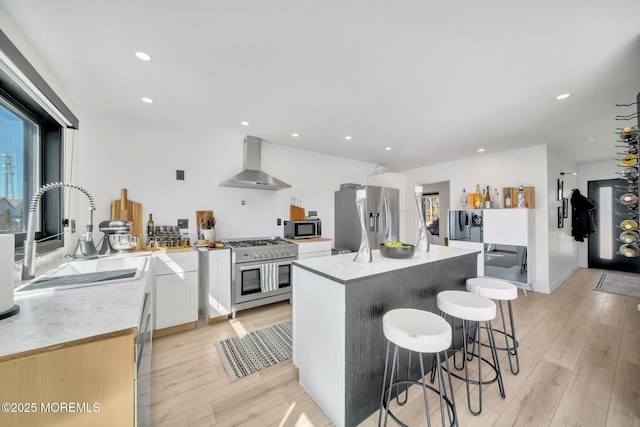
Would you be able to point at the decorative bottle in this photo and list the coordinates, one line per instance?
(150, 230)
(477, 202)
(507, 200)
(487, 198)
(464, 201)
(521, 201)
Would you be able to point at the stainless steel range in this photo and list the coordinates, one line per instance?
(260, 271)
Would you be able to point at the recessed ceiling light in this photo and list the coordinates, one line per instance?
(387, 148)
(347, 138)
(143, 56)
(295, 135)
(147, 100)
(563, 96)
(244, 123)
(481, 150)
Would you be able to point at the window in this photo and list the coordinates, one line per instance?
(19, 155)
(32, 119)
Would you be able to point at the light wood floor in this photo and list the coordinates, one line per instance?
(579, 355)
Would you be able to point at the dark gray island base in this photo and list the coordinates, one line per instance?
(338, 305)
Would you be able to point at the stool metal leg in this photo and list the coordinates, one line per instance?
(393, 372)
(384, 384)
(474, 340)
(511, 352)
(465, 336)
(406, 386)
(452, 412)
(494, 352)
(424, 392)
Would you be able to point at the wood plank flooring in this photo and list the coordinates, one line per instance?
(579, 359)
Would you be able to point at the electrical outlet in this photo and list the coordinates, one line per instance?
(180, 175)
(183, 223)
(279, 221)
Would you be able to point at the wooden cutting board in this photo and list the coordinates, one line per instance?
(127, 210)
(296, 213)
(207, 218)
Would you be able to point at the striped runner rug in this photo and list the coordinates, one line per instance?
(249, 353)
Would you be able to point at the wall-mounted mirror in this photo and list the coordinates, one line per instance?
(505, 262)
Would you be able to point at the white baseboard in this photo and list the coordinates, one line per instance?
(555, 285)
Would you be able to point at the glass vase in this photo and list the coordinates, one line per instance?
(364, 253)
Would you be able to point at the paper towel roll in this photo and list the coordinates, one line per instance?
(7, 250)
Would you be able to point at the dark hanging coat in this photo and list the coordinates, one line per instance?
(582, 218)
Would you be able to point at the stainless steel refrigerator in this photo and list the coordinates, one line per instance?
(382, 219)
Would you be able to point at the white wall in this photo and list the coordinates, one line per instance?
(114, 153)
(594, 171)
(562, 250)
(527, 166)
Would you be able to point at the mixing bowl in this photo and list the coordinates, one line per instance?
(123, 242)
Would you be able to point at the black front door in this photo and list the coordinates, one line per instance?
(612, 217)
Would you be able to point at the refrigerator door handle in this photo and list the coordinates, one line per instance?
(387, 219)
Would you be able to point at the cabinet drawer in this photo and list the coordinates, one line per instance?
(311, 247)
(176, 263)
(176, 299)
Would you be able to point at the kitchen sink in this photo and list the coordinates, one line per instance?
(81, 273)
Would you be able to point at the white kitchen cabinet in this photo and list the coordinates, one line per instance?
(214, 279)
(509, 234)
(176, 289)
(313, 248)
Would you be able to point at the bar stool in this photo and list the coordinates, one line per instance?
(500, 290)
(472, 308)
(421, 332)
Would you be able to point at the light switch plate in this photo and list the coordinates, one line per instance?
(180, 175)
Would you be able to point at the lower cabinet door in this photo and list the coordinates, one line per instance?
(176, 299)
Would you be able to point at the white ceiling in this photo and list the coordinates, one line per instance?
(434, 81)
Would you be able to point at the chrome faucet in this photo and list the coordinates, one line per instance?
(85, 249)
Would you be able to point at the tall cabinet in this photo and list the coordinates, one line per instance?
(508, 238)
(215, 282)
(506, 246)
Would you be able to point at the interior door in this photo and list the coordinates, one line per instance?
(604, 245)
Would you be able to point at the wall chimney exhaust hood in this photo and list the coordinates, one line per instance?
(252, 176)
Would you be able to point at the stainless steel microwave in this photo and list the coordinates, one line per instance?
(302, 229)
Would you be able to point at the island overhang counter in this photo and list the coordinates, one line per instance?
(338, 305)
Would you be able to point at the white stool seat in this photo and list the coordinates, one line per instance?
(492, 288)
(466, 306)
(417, 330)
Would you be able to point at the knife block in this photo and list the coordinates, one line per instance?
(296, 213)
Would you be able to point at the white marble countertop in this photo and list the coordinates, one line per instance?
(54, 317)
(343, 269)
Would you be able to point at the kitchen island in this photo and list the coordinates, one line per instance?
(338, 305)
